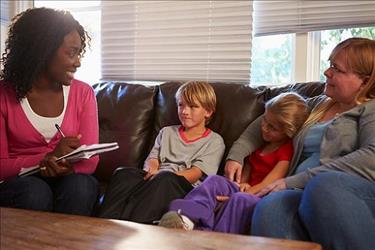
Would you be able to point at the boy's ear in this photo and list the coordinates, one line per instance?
(208, 113)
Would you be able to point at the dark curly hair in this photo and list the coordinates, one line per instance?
(33, 39)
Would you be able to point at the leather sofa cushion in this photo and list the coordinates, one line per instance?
(133, 114)
(308, 89)
(126, 113)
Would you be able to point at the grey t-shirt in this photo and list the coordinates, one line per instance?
(176, 154)
(348, 145)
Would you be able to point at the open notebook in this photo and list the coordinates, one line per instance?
(82, 152)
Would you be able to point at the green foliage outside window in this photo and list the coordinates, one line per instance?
(272, 55)
(271, 60)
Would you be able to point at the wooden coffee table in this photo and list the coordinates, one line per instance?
(25, 229)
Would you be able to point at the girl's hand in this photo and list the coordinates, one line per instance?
(233, 171)
(244, 187)
(50, 168)
(222, 198)
(275, 186)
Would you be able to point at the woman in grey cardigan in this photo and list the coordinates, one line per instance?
(329, 194)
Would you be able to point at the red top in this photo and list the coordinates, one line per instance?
(262, 164)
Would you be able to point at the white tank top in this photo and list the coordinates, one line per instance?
(45, 125)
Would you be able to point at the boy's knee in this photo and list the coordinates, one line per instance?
(125, 170)
(165, 176)
(169, 180)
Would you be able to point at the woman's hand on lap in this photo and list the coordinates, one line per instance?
(222, 198)
(275, 186)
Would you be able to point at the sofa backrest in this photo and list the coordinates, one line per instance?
(126, 114)
(133, 114)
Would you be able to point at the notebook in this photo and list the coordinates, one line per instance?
(80, 153)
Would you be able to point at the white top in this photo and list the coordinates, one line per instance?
(45, 125)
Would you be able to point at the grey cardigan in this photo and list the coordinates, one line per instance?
(348, 145)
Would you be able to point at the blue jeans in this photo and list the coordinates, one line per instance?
(71, 194)
(336, 210)
(276, 215)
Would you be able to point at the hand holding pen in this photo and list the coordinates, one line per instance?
(67, 143)
(49, 166)
(43, 168)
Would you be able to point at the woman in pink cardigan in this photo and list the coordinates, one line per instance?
(37, 91)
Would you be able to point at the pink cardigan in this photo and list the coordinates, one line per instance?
(22, 146)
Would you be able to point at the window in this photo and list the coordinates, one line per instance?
(176, 40)
(302, 20)
(272, 59)
(283, 43)
(4, 22)
(274, 56)
(88, 14)
(8, 9)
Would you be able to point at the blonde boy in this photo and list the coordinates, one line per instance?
(182, 156)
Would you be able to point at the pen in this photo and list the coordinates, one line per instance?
(59, 129)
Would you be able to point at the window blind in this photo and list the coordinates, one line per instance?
(8, 9)
(277, 17)
(4, 10)
(176, 40)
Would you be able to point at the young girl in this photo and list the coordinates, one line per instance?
(202, 208)
(181, 157)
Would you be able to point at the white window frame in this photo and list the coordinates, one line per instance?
(306, 57)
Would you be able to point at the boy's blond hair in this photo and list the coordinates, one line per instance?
(197, 91)
(290, 110)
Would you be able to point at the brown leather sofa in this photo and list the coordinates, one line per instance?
(132, 115)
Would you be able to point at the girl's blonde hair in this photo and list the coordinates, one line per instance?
(202, 92)
(290, 110)
(359, 54)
